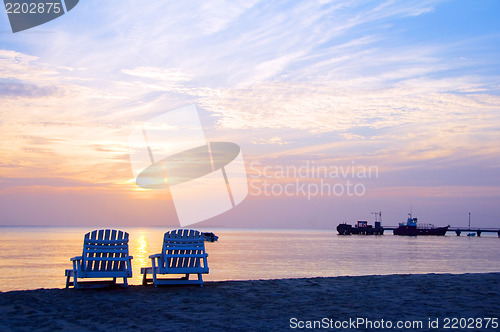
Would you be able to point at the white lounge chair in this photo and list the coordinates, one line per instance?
(105, 255)
(183, 252)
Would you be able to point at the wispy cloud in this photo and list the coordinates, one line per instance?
(161, 74)
(272, 140)
(14, 88)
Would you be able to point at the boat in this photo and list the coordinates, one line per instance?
(362, 227)
(411, 228)
(210, 237)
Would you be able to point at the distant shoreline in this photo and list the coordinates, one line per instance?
(256, 304)
(464, 229)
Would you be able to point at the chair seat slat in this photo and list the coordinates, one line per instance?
(170, 248)
(89, 246)
(182, 270)
(97, 242)
(186, 241)
(107, 259)
(105, 274)
(185, 255)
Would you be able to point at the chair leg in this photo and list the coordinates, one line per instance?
(67, 280)
(200, 279)
(114, 280)
(144, 282)
(154, 272)
(124, 281)
(154, 278)
(75, 281)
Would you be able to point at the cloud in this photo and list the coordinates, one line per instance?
(273, 140)
(161, 74)
(11, 89)
(45, 182)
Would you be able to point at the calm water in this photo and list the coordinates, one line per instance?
(35, 257)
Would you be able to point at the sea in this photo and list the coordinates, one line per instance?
(36, 257)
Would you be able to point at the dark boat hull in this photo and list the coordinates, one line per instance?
(414, 231)
(210, 237)
(346, 229)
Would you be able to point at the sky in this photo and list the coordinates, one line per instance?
(315, 93)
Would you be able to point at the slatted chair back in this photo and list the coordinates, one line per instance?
(105, 250)
(183, 248)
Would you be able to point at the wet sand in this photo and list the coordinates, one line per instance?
(261, 305)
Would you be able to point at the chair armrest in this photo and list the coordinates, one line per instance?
(130, 257)
(77, 258)
(154, 256)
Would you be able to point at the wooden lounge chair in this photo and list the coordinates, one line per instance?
(105, 255)
(183, 252)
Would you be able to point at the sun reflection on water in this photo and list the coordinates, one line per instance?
(140, 250)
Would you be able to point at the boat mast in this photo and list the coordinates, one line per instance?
(378, 216)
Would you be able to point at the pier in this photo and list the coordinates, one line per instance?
(459, 230)
(469, 230)
(478, 231)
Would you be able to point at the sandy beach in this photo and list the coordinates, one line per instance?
(261, 305)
